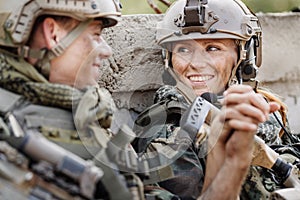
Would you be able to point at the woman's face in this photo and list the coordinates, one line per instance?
(205, 64)
(79, 65)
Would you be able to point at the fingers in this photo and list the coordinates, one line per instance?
(238, 89)
(242, 125)
(246, 110)
(240, 120)
(244, 95)
(243, 109)
(251, 98)
(274, 107)
(238, 94)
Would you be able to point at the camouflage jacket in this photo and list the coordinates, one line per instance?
(54, 139)
(189, 168)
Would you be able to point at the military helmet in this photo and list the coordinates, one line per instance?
(212, 19)
(17, 17)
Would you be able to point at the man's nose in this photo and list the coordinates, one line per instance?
(105, 50)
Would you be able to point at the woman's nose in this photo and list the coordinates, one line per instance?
(199, 59)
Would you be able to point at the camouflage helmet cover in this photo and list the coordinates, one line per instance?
(208, 19)
(17, 17)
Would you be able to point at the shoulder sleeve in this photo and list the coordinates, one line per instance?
(167, 92)
(269, 130)
(275, 132)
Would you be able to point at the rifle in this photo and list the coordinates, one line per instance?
(38, 148)
(87, 179)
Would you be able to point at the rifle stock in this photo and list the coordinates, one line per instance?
(39, 148)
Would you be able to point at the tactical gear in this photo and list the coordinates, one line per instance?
(259, 183)
(160, 135)
(56, 125)
(79, 132)
(215, 19)
(44, 110)
(18, 18)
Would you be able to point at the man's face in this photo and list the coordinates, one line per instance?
(206, 64)
(79, 65)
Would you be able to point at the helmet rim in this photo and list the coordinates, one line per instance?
(18, 22)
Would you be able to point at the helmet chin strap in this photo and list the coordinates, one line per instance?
(242, 56)
(45, 56)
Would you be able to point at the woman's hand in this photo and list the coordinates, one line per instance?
(231, 140)
(245, 109)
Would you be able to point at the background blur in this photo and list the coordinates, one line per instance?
(142, 7)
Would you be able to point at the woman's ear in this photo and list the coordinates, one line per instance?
(50, 31)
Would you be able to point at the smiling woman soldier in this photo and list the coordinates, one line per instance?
(212, 48)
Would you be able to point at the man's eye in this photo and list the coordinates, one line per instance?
(97, 31)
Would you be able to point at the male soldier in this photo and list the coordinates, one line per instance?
(50, 54)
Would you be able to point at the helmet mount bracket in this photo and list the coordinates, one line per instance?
(197, 18)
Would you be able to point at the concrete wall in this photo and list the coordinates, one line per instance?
(134, 71)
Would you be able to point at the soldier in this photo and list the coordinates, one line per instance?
(213, 46)
(54, 117)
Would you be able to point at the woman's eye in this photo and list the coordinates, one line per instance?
(183, 50)
(213, 48)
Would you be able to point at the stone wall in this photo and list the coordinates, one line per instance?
(134, 71)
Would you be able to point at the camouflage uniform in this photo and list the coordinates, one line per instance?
(189, 169)
(73, 119)
(55, 142)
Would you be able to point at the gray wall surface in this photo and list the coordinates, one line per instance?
(133, 73)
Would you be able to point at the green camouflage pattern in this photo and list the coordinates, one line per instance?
(22, 78)
(74, 119)
(189, 169)
(91, 106)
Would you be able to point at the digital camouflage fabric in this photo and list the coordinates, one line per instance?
(189, 169)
